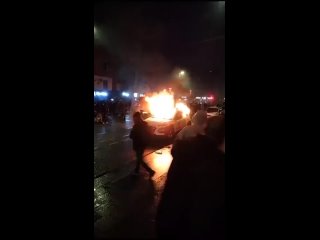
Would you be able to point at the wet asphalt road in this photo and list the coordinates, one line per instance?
(125, 205)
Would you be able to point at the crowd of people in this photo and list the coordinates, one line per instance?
(192, 205)
(105, 109)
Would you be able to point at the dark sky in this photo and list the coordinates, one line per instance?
(158, 37)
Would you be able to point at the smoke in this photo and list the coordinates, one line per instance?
(152, 68)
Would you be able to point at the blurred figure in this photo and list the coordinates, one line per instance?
(103, 112)
(108, 108)
(214, 124)
(113, 108)
(100, 113)
(192, 108)
(205, 106)
(140, 135)
(121, 110)
(192, 205)
(198, 126)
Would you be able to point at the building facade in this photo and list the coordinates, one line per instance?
(104, 70)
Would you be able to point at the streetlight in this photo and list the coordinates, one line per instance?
(181, 73)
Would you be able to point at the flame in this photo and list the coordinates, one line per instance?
(183, 108)
(162, 105)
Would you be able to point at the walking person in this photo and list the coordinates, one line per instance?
(140, 135)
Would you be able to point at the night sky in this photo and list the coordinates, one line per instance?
(156, 39)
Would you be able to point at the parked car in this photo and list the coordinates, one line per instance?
(213, 111)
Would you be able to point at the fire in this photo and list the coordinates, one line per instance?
(162, 105)
(183, 108)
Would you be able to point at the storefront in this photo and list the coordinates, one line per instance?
(100, 96)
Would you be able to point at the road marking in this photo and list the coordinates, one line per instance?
(113, 143)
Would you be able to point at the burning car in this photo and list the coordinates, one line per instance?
(167, 127)
(167, 118)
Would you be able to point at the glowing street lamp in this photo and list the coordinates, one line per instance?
(181, 73)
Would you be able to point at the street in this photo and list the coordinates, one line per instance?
(125, 205)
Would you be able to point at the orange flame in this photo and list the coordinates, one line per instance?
(162, 105)
(183, 108)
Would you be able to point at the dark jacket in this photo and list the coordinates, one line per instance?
(192, 203)
(140, 134)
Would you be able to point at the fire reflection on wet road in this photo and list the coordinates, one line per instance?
(160, 161)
